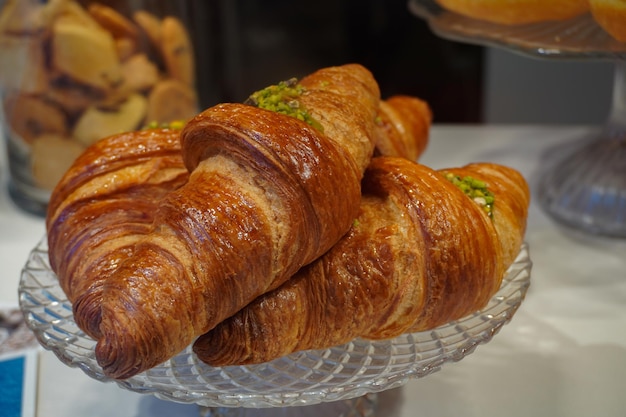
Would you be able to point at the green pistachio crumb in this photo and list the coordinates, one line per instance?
(283, 98)
(175, 125)
(475, 189)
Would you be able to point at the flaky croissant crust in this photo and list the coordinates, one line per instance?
(150, 230)
(103, 206)
(420, 254)
(266, 194)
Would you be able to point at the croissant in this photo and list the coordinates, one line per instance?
(123, 177)
(404, 125)
(104, 206)
(152, 256)
(420, 254)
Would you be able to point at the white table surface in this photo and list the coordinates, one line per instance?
(563, 354)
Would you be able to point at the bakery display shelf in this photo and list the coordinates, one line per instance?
(582, 185)
(338, 381)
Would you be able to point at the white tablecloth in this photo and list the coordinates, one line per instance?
(563, 354)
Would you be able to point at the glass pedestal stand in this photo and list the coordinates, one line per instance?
(586, 188)
(357, 379)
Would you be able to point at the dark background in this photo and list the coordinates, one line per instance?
(249, 44)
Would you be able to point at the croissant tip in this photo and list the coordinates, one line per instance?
(106, 358)
(117, 353)
(86, 310)
(109, 360)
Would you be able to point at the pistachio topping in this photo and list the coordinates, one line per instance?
(175, 125)
(474, 189)
(283, 98)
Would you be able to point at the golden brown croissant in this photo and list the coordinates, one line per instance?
(420, 254)
(118, 182)
(267, 193)
(404, 124)
(103, 206)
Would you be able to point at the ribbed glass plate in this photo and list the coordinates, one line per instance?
(305, 378)
(580, 37)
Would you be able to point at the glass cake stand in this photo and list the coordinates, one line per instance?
(585, 187)
(338, 381)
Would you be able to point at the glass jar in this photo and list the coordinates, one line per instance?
(72, 72)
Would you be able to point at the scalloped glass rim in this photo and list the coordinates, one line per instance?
(304, 378)
(576, 38)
